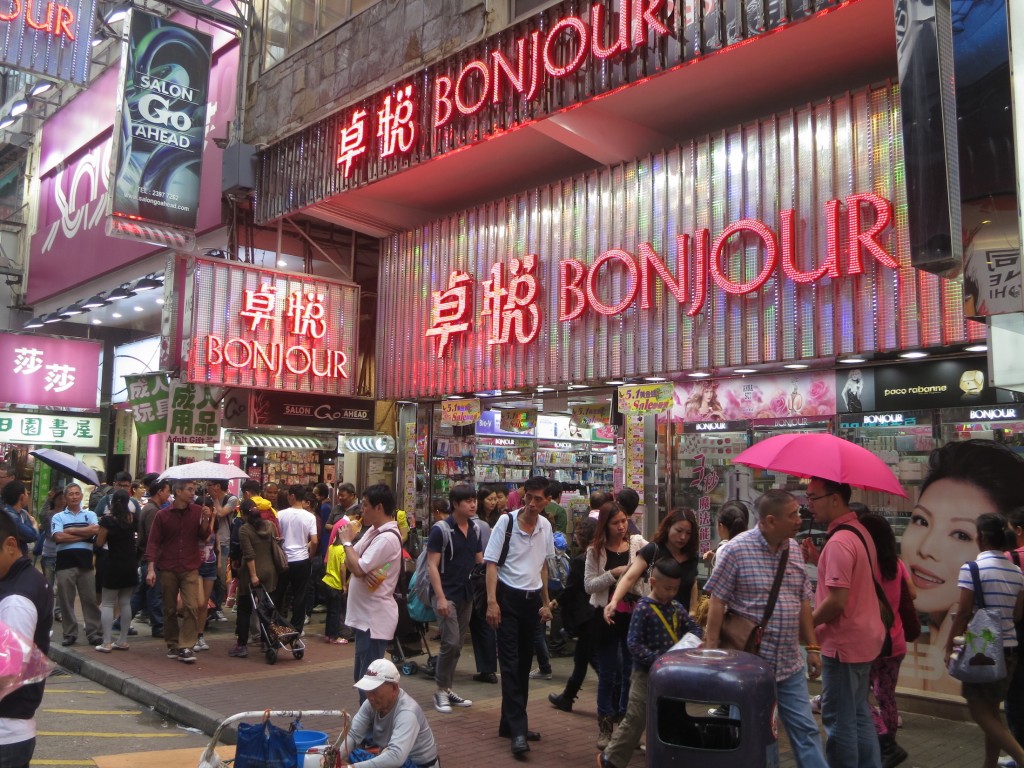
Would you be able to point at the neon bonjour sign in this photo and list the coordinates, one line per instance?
(59, 20)
(536, 55)
(579, 285)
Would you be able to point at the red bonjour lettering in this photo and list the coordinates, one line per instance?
(569, 291)
(213, 350)
(535, 65)
(501, 65)
(630, 294)
(442, 101)
(649, 258)
(15, 11)
(302, 352)
(64, 22)
(832, 233)
(771, 256)
(645, 21)
(44, 26)
(485, 87)
(340, 359)
(859, 240)
(582, 46)
(700, 285)
(597, 24)
(245, 361)
(787, 225)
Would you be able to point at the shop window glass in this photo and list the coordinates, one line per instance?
(331, 14)
(301, 24)
(290, 26)
(276, 46)
(358, 6)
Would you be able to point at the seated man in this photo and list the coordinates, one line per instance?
(392, 721)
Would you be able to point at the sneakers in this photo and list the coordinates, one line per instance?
(457, 701)
(186, 656)
(1007, 762)
(816, 704)
(219, 616)
(441, 702)
(239, 651)
(201, 644)
(172, 653)
(540, 674)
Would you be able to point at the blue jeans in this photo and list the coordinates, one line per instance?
(850, 737)
(801, 727)
(367, 650)
(614, 665)
(149, 598)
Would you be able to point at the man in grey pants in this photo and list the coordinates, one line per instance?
(73, 532)
(453, 547)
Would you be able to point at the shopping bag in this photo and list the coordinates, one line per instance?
(264, 745)
(981, 660)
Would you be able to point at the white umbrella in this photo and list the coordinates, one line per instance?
(204, 470)
(68, 464)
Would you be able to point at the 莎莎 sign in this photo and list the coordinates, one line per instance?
(263, 329)
(50, 371)
(48, 38)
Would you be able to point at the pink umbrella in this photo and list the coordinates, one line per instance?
(822, 455)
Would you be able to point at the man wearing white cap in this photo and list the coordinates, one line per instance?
(393, 721)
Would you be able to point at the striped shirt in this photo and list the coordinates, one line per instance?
(1001, 582)
(743, 576)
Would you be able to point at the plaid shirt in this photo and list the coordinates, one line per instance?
(743, 576)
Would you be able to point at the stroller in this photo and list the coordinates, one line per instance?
(276, 633)
(410, 636)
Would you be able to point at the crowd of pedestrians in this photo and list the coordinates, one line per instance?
(181, 558)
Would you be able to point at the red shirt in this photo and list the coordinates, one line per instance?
(174, 539)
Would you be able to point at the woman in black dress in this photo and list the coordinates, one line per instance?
(117, 531)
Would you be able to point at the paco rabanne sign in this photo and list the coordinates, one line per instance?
(511, 309)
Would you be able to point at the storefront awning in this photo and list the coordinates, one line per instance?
(293, 442)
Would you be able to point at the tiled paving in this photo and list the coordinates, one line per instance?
(323, 680)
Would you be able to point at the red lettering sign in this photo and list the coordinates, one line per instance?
(55, 19)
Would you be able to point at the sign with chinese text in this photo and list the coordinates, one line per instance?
(48, 429)
(53, 39)
(149, 396)
(192, 416)
(633, 453)
(646, 398)
(705, 480)
(460, 413)
(676, 278)
(263, 329)
(50, 371)
(158, 149)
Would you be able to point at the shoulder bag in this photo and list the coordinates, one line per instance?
(981, 660)
(885, 611)
(478, 575)
(277, 553)
(742, 634)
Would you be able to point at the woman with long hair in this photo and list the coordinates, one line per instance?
(885, 670)
(120, 577)
(676, 538)
(208, 553)
(577, 614)
(256, 537)
(1002, 587)
(733, 518)
(487, 504)
(609, 557)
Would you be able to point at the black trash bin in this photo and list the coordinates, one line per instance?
(711, 708)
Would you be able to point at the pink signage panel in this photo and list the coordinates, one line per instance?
(755, 397)
(264, 329)
(50, 371)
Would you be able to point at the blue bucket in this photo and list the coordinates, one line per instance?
(305, 740)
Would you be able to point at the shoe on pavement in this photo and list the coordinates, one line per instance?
(132, 631)
(219, 616)
(816, 704)
(520, 745)
(68, 641)
(486, 677)
(441, 702)
(104, 648)
(96, 640)
(172, 653)
(239, 651)
(457, 701)
(158, 632)
(119, 647)
(540, 674)
(186, 656)
(1007, 762)
(201, 644)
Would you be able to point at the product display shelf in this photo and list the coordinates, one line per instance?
(452, 462)
(503, 460)
(292, 467)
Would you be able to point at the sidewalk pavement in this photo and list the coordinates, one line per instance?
(216, 686)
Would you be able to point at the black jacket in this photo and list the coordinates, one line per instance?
(25, 580)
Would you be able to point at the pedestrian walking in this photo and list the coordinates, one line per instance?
(299, 537)
(255, 567)
(117, 532)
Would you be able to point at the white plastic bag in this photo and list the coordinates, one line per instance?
(21, 661)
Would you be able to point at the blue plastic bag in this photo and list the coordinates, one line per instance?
(264, 745)
(359, 755)
(417, 610)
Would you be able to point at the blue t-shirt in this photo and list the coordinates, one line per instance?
(457, 559)
(74, 554)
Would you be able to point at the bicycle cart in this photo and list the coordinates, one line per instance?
(330, 759)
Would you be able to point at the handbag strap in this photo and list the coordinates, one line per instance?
(508, 540)
(773, 596)
(673, 631)
(979, 596)
(879, 592)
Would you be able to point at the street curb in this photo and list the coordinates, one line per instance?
(166, 703)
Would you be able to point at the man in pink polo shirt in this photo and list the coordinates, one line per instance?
(849, 627)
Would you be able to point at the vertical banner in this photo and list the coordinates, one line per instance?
(160, 132)
(149, 395)
(193, 413)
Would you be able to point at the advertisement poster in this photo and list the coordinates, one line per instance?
(755, 397)
(149, 396)
(645, 398)
(589, 415)
(158, 151)
(193, 413)
(50, 371)
(634, 449)
(460, 413)
(493, 423)
(938, 384)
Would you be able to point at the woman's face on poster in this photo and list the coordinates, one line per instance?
(940, 537)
